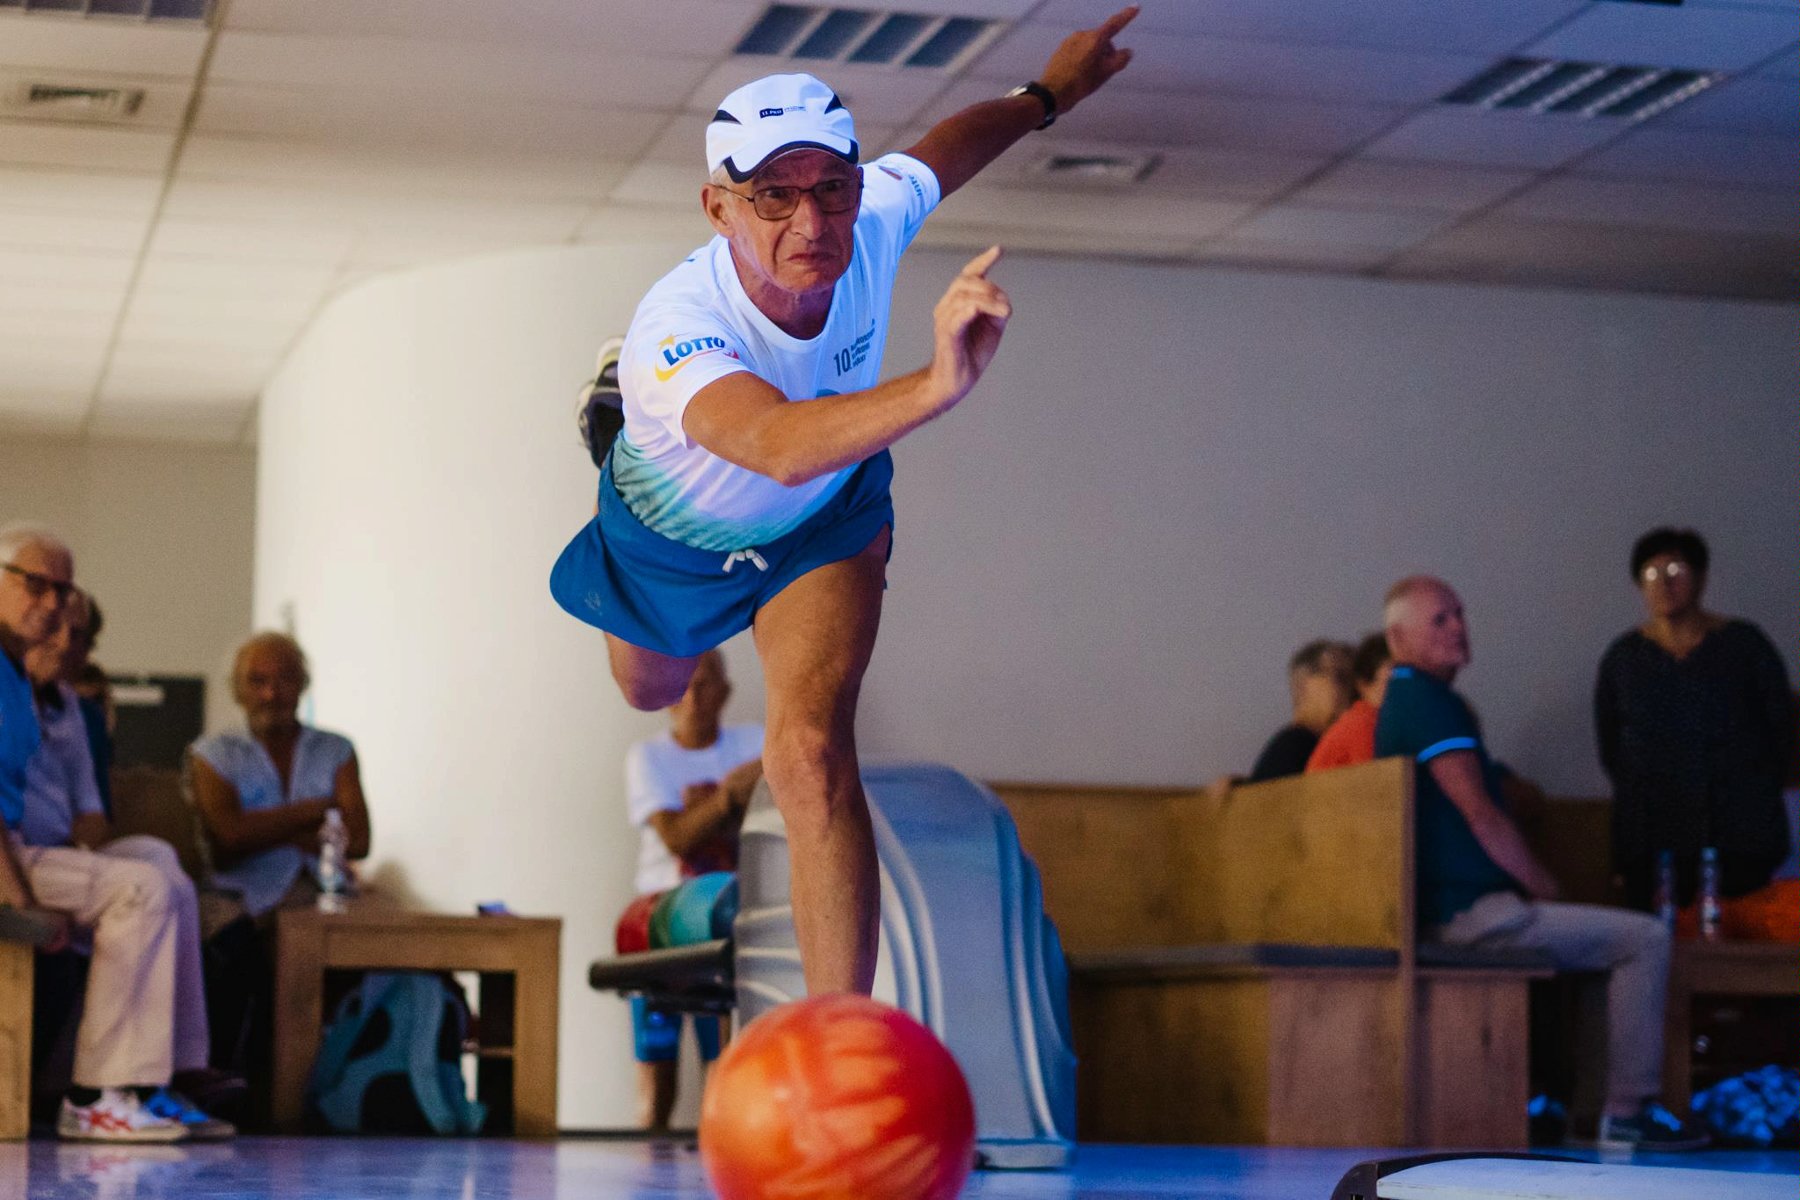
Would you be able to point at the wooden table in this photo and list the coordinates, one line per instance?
(1716, 969)
(518, 959)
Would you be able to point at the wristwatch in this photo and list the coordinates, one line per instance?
(1045, 97)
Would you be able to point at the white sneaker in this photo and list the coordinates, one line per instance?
(117, 1116)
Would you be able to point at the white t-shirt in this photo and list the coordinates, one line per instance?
(697, 326)
(657, 770)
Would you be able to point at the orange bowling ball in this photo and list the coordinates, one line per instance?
(837, 1098)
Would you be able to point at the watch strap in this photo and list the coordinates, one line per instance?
(1044, 96)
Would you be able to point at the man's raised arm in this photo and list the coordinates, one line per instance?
(958, 147)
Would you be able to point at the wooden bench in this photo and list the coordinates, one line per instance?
(1246, 969)
(21, 933)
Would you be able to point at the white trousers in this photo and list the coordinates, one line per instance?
(144, 1016)
(1632, 947)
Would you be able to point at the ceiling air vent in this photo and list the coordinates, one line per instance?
(1096, 170)
(878, 37)
(71, 102)
(1581, 89)
(193, 11)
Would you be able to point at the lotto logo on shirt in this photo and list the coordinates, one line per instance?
(677, 353)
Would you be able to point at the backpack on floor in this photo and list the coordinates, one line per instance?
(391, 1061)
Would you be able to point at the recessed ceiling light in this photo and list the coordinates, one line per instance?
(1559, 87)
(71, 102)
(1096, 170)
(191, 11)
(872, 37)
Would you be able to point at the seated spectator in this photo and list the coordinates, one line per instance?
(1350, 739)
(1696, 728)
(687, 790)
(144, 1017)
(1319, 681)
(91, 684)
(1480, 885)
(263, 791)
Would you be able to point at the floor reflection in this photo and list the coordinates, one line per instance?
(579, 1169)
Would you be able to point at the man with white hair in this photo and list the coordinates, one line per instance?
(749, 487)
(145, 1012)
(1478, 881)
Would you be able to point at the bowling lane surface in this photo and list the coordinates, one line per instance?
(597, 1169)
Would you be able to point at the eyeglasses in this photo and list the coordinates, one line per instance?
(37, 586)
(1674, 570)
(779, 203)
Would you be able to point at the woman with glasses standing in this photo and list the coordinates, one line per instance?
(1696, 726)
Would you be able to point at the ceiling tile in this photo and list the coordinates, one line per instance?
(1656, 35)
(1271, 126)
(170, 418)
(1176, 63)
(400, 247)
(1496, 139)
(51, 344)
(1339, 227)
(250, 242)
(1464, 27)
(412, 120)
(675, 28)
(1375, 183)
(39, 271)
(1109, 243)
(613, 223)
(1734, 159)
(208, 322)
(59, 316)
(1213, 174)
(1762, 106)
(122, 47)
(65, 375)
(1663, 203)
(77, 232)
(104, 193)
(1291, 256)
(631, 79)
(660, 183)
(1784, 67)
(1167, 215)
(400, 170)
(51, 144)
(208, 200)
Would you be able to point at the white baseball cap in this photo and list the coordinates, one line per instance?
(772, 116)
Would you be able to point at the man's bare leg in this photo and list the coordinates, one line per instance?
(815, 639)
(649, 681)
(656, 1095)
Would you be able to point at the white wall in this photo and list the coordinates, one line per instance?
(162, 534)
(1173, 477)
(1170, 478)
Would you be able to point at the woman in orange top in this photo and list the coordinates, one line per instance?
(1351, 738)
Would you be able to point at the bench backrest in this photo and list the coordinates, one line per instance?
(1323, 859)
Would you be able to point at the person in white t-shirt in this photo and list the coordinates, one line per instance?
(749, 486)
(687, 790)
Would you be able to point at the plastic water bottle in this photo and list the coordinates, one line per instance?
(1665, 888)
(1709, 894)
(334, 857)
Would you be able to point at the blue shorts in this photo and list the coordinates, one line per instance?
(656, 1033)
(652, 591)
